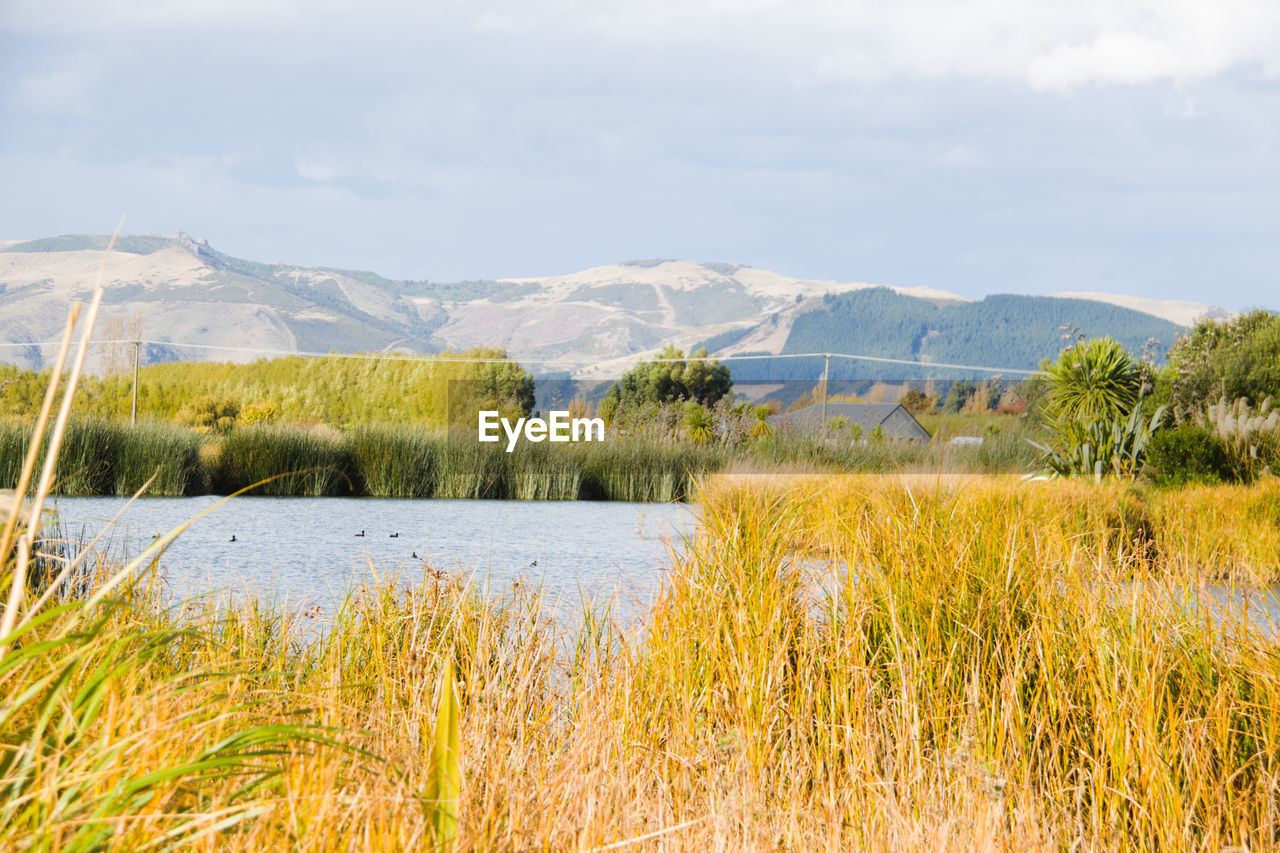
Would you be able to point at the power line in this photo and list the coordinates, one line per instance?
(461, 359)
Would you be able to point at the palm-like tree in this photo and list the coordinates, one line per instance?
(1094, 380)
(698, 423)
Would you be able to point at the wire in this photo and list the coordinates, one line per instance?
(461, 359)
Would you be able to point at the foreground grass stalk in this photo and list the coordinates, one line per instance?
(18, 577)
(445, 775)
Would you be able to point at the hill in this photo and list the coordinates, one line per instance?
(193, 302)
(1010, 331)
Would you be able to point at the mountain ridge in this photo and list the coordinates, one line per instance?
(589, 323)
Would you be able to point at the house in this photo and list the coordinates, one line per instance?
(861, 419)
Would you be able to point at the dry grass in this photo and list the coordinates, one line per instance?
(978, 684)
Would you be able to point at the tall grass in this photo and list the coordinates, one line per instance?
(832, 663)
(104, 458)
(648, 470)
(393, 463)
(169, 453)
(304, 463)
(544, 472)
(95, 751)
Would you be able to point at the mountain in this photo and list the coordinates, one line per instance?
(186, 296)
(1002, 331)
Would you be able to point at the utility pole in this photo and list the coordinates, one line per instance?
(826, 374)
(133, 414)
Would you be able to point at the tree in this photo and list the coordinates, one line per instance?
(1099, 429)
(1232, 359)
(958, 395)
(917, 402)
(502, 386)
(672, 379)
(1093, 380)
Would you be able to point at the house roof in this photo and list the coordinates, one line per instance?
(867, 415)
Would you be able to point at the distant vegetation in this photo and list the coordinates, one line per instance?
(1239, 358)
(344, 392)
(999, 331)
(1207, 416)
(672, 378)
(1096, 411)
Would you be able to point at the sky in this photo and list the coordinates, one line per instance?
(977, 146)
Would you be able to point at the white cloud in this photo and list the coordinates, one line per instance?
(1046, 44)
(961, 157)
(67, 92)
(317, 169)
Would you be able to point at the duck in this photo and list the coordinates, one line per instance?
(233, 537)
(361, 533)
(395, 535)
(414, 556)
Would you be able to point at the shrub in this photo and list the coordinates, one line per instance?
(1187, 454)
(1251, 438)
(209, 413)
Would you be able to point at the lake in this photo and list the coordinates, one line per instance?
(307, 550)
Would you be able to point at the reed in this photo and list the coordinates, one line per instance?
(106, 458)
(15, 437)
(80, 707)
(990, 677)
(468, 469)
(640, 470)
(169, 454)
(394, 462)
(304, 462)
(544, 472)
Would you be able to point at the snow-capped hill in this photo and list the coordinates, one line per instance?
(1182, 313)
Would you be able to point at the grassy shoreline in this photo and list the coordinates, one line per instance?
(973, 687)
(110, 458)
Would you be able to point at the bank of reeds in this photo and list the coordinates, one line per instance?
(312, 461)
(1220, 533)
(105, 458)
(986, 677)
(1000, 453)
(393, 463)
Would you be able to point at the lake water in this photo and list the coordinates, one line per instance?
(306, 550)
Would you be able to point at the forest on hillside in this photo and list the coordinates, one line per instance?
(1000, 331)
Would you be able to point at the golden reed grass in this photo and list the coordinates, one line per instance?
(860, 663)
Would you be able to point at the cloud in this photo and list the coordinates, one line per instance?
(1044, 44)
(66, 92)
